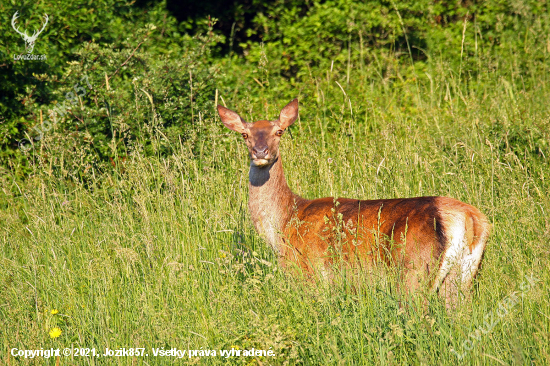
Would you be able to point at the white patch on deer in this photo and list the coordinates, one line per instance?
(455, 232)
(471, 261)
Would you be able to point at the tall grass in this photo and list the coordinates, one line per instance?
(162, 253)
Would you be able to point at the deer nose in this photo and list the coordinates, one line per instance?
(260, 152)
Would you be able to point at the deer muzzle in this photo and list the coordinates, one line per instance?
(260, 152)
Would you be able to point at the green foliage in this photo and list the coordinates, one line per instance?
(112, 26)
(132, 100)
(400, 44)
(345, 31)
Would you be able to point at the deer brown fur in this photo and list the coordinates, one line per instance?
(438, 239)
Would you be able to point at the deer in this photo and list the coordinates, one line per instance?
(438, 241)
(29, 40)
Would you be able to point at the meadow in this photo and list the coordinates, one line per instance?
(162, 253)
(159, 252)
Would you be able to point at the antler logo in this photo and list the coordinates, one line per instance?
(29, 40)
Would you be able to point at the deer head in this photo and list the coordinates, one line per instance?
(261, 137)
(29, 40)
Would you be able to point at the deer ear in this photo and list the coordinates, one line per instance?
(289, 114)
(231, 119)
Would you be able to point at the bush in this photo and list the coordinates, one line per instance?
(150, 70)
(26, 87)
(111, 102)
(348, 32)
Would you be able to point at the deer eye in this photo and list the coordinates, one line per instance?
(279, 133)
(245, 135)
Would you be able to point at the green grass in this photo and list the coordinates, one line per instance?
(162, 252)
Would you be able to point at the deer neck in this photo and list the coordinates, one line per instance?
(271, 202)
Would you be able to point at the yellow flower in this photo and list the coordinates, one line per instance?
(54, 311)
(55, 332)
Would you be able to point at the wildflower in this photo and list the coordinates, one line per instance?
(55, 332)
(54, 311)
(329, 160)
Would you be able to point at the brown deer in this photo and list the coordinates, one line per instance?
(435, 239)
